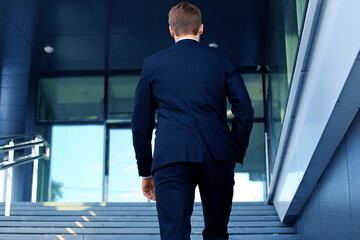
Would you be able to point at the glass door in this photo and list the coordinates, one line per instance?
(124, 183)
(76, 163)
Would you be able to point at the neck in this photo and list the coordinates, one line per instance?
(196, 37)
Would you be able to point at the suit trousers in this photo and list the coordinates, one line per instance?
(175, 190)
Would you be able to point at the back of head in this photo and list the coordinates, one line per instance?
(185, 19)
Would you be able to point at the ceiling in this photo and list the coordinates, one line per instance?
(94, 35)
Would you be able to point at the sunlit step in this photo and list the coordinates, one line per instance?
(118, 208)
(142, 237)
(131, 224)
(130, 221)
(128, 213)
(120, 204)
(137, 230)
(125, 218)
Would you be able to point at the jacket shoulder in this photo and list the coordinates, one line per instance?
(217, 51)
(159, 54)
(173, 50)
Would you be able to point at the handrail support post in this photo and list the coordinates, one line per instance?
(35, 152)
(9, 177)
(267, 164)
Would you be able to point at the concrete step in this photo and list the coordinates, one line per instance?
(120, 208)
(125, 218)
(130, 221)
(265, 204)
(136, 230)
(130, 224)
(140, 237)
(128, 213)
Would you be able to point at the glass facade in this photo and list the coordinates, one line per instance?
(92, 106)
(108, 100)
(250, 178)
(71, 99)
(253, 82)
(283, 37)
(121, 96)
(107, 148)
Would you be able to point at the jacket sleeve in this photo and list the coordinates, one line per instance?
(241, 108)
(142, 123)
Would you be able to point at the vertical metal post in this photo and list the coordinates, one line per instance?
(263, 78)
(105, 190)
(35, 152)
(47, 151)
(9, 176)
(267, 163)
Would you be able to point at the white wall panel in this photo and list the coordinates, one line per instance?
(334, 51)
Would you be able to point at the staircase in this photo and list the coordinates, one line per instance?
(129, 221)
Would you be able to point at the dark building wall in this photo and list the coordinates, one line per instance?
(17, 116)
(333, 209)
(13, 103)
(15, 110)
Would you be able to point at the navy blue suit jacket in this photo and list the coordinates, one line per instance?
(188, 84)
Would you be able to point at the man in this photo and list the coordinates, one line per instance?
(188, 84)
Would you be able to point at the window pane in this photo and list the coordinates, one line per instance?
(291, 37)
(250, 178)
(285, 24)
(77, 163)
(300, 10)
(253, 84)
(71, 98)
(124, 180)
(121, 96)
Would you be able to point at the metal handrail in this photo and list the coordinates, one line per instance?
(18, 136)
(22, 145)
(10, 162)
(21, 160)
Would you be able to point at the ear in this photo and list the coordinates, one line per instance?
(172, 32)
(201, 29)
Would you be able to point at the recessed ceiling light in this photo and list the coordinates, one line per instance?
(49, 49)
(214, 45)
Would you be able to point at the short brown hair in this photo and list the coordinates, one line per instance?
(185, 18)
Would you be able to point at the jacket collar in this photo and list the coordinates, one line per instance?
(186, 41)
(184, 38)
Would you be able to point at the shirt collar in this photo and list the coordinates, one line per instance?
(186, 38)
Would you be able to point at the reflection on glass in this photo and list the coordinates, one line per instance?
(253, 82)
(300, 10)
(250, 180)
(43, 188)
(77, 163)
(247, 189)
(124, 180)
(284, 30)
(291, 37)
(252, 173)
(71, 99)
(121, 96)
